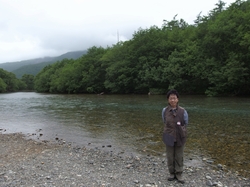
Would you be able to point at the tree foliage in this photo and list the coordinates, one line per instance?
(211, 57)
(9, 82)
(28, 80)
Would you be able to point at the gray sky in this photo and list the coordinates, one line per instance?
(37, 28)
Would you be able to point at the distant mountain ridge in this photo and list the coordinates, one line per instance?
(34, 66)
(10, 66)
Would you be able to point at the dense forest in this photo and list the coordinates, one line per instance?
(9, 82)
(211, 56)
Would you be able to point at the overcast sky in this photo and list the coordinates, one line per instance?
(37, 28)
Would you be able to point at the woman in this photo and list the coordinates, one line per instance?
(175, 119)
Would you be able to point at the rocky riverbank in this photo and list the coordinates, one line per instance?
(26, 162)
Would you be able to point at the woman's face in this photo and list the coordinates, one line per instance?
(173, 100)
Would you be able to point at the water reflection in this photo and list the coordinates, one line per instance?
(218, 127)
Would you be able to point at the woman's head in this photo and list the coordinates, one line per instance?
(173, 98)
(173, 92)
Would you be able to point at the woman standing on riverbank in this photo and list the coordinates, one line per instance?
(175, 119)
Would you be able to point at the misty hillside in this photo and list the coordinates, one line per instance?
(32, 69)
(33, 66)
(10, 66)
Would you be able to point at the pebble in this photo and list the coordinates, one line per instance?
(209, 183)
(208, 177)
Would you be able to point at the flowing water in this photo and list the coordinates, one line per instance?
(218, 127)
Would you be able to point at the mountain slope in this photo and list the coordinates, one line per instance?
(32, 69)
(34, 66)
(10, 66)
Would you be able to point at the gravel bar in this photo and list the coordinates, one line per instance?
(26, 163)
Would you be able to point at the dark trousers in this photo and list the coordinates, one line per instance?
(175, 159)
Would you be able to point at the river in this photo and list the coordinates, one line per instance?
(218, 127)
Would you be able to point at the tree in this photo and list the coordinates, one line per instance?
(28, 81)
(224, 45)
(10, 80)
(3, 86)
(93, 70)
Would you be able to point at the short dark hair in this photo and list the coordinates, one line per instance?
(173, 92)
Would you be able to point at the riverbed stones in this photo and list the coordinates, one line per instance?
(29, 163)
